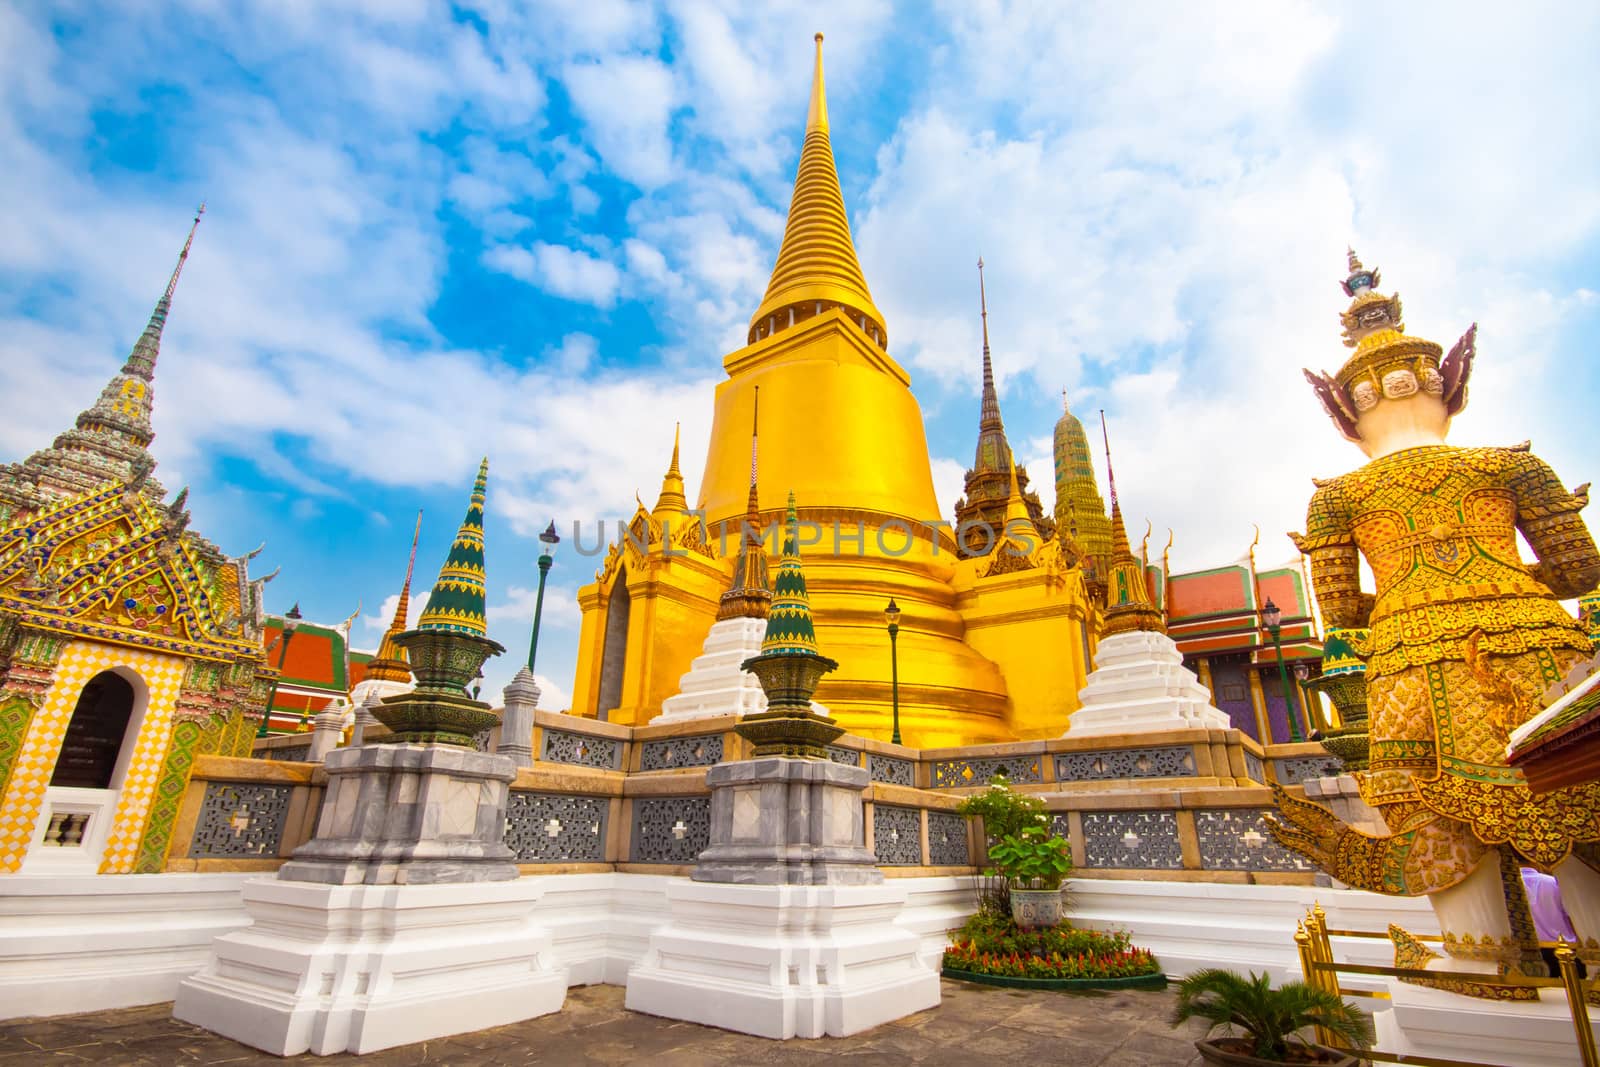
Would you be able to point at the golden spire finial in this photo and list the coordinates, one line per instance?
(672, 500)
(817, 270)
(817, 116)
(1128, 603)
(1017, 509)
(677, 433)
(1355, 263)
(1066, 408)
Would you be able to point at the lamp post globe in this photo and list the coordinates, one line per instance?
(291, 621)
(549, 539)
(1272, 617)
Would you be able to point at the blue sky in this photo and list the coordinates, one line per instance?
(436, 231)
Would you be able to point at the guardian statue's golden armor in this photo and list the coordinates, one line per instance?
(1465, 636)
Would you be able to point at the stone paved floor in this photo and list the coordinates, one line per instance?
(976, 1026)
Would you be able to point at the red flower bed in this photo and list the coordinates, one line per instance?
(993, 946)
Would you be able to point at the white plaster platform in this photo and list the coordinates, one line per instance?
(358, 968)
(1139, 685)
(1431, 1022)
(715, 685)
(784, 961)
(72, 943)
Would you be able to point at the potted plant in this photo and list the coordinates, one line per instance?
(1004, 811)
(1268, 1021)
(1033, 862)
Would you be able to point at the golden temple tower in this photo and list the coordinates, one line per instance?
(842, 430)
(1080, 510)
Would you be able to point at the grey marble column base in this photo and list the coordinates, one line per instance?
(409, 815)
(782, 821)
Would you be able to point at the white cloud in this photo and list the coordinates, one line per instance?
(627, 102)
(557, 269)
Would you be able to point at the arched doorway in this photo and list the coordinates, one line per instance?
(76, 815)
(95, 733)
(614, 653)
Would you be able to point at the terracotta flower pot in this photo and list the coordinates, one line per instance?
(1233, 1052)
(1036, 907)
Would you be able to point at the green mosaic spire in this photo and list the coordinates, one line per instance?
(789, 629)
(456, 603)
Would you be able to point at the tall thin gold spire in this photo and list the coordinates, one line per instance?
(1128, 603)
(391, 664)
(817, 270)
(672, 500)
(749, 595)
(817, 115)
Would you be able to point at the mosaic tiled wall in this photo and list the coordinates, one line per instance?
(36, 760)
(15, 715)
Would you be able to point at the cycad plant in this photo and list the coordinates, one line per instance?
(1270, 1018)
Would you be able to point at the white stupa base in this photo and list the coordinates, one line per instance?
(1140, 685)
(357, 968)
(1431, 1022)
(715, 686)
(783, 961)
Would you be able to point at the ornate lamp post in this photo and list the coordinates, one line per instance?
(1272, 616)
(290, 622)
(549, 539)
(891, 614)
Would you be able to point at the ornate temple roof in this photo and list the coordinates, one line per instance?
(817, 267)
(113, 566)
(457, 600)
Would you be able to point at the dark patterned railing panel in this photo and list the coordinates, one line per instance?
(1146, 840)
(670, 829)
(680, 752)
(958, 772)
(847, 756)
(889, 769)
(897, 835)
(557, 828)
(564, 746)
(1255, 768)
(240, 820)
(290, 753)
(1293, 770)
(947, 840)
(1236, 839)
(1167, 761)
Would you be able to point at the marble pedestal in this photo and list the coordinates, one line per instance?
(1431, 1022)
(783, 961)
(357, 968)
(1139, 684)
(409, 815)
(715, 684)
(782, 821)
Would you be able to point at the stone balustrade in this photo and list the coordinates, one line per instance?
(1186, 805)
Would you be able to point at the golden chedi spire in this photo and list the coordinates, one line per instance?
(1019, 522)
(982, 510)
(749, 595)
(817, 268)
(671, 504)
(390, 664)
(1128, 604)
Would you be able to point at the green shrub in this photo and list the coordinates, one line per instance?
(1032, 859)
(1270, 1018)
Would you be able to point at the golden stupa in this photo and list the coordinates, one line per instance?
(990, 648)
